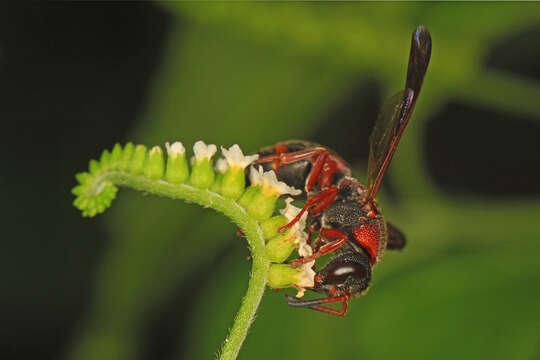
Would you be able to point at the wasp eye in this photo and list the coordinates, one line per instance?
(339, 271)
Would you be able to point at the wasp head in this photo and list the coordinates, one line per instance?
(348, 273)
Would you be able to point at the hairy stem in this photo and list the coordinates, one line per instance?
(250, 227)
(250, 303)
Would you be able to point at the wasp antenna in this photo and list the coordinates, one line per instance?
(315, 304)
(294, 302)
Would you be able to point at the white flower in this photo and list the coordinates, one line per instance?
(304, 249)
(255, 176)
(221, 165)
(269, 180)
(177, 148)
(307, 278)
(235, 157)
(290, 211)
(279, 186)
(154, 150)
(203, 151)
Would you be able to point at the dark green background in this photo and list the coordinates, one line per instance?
(159, 279)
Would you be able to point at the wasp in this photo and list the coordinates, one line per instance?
(343, 211)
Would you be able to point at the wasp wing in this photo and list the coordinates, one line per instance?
(397, 111)
(385, 136)
(418, 60)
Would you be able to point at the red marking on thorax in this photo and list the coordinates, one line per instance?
(281, 148)
(367, 235)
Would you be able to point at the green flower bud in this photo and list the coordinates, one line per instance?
(233, 183)
(77, 190)
(262, 206)
(82, 177)
(216, 186)
(270, 227)
(232, 167)
(136, 165)
(105, 159)
(280, 247)
(202, 173)
(93, 200)
(125, 157)
(283, 275)
(154, 166)
(94, 167)
(116, 153)
(220, 168)
(252, 192)
(177, 167)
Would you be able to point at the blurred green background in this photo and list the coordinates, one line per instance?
(160, 279)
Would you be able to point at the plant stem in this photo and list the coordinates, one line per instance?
(250, 303)
(250, 227)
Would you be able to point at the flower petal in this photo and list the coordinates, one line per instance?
(269, 180)
(255, 175)
(235, 157)
(203, 151)
(221, 165)
(177, 148)
(306, 279)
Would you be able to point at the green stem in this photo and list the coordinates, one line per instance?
(250, 227)
(250, 303)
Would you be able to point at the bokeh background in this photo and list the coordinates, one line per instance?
(159, 279)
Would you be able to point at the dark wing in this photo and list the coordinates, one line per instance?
(385, 136)
(396, 239)
(418, 60)
(397, 111)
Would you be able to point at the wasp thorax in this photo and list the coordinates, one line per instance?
(343, 214)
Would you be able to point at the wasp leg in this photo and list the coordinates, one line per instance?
(316, 246)
(310, 229)
(318, 202)
(396, 239)
(317, 171)
(326, 249)
(326, 176)
(282, 158)
(322, 171)
(316, 304)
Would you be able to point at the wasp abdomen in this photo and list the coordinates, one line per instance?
(293, 174)
(293, 162)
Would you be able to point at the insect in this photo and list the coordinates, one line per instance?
(344, 212)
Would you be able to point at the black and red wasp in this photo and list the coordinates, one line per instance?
(344, 212)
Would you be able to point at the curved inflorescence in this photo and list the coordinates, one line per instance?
(221, 187)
